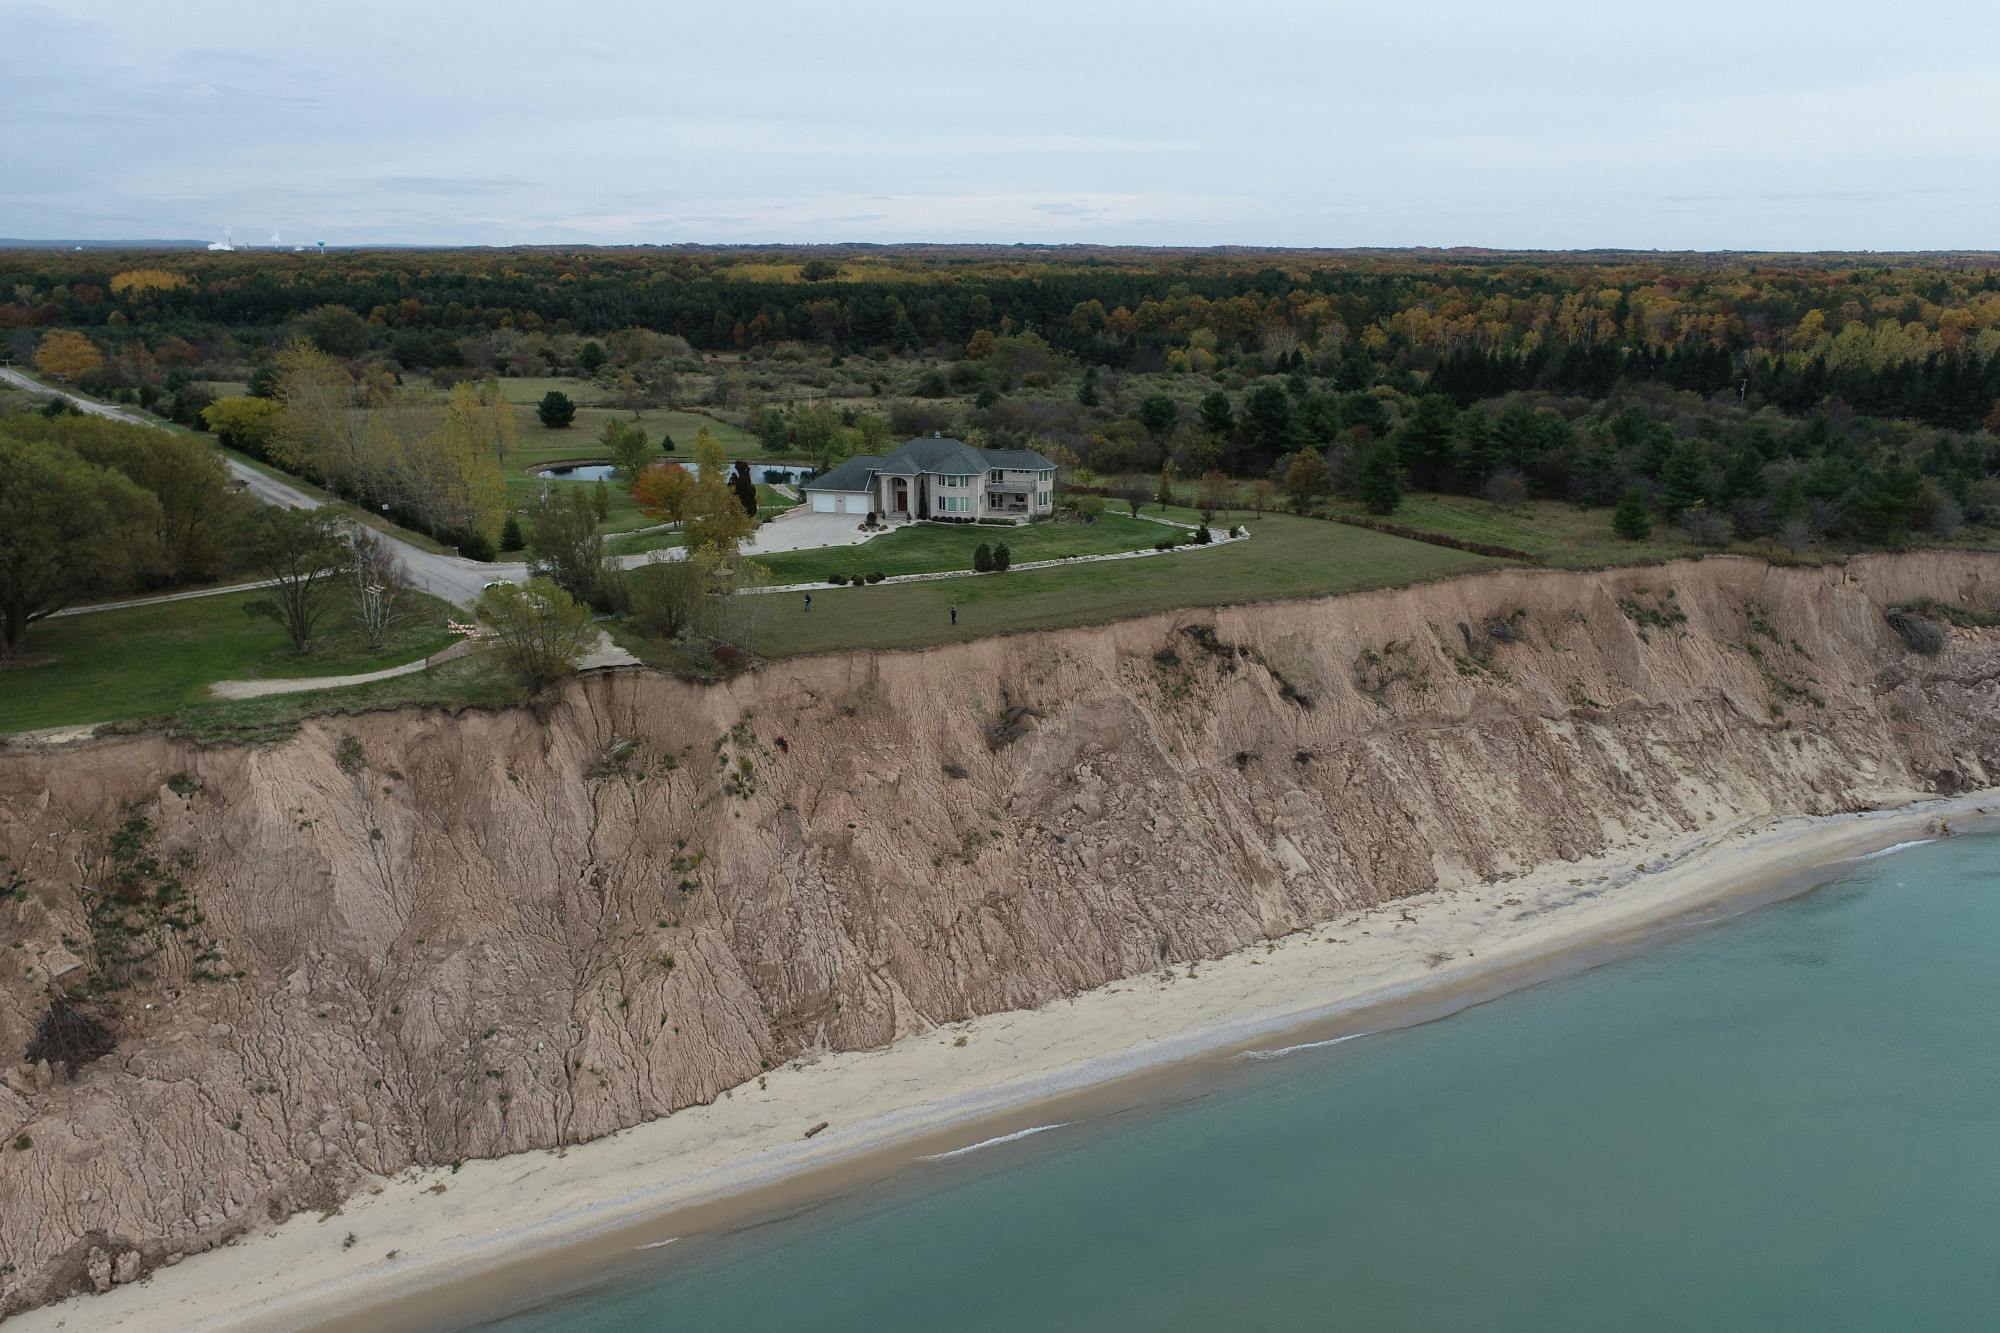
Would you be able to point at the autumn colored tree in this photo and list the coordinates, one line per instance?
(1308, 478)
(316, 434)
(712, 516)
(662, 492)
(67, 355)
(140, 281)
(1213, 493)
(244, 423)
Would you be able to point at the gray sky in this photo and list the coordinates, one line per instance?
(1756, 124)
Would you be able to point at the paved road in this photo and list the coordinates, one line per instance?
(219, 591)
(456, 580)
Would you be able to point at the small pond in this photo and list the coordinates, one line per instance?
(578, 472)
(787, 473)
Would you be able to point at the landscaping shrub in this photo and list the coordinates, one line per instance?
(836, 578)
(1002, 558)
(876, 577)
(1202, 536)
(982, 559)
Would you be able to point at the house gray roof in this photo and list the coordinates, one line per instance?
(935, 454)
(853, 474)
(932, 454)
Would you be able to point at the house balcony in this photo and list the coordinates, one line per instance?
(1005, 500)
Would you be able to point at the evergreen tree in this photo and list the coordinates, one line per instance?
(1632, 520)
(746, 489)
(1428, 442)
(1219, 419)
(1885, 502)
(1267, 414)
(555, 410)
(1086, 392)
(510, 534)
(1378, 480)
(1681, 481)
(982, 559)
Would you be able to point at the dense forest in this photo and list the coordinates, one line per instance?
(1853, 394)
(1909, 336)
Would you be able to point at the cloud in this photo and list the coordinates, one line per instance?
(1563, 123)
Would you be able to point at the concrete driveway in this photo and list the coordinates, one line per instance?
(801, 530)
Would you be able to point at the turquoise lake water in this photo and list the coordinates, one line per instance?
(1790, 1120)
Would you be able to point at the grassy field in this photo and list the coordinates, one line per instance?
(1286, 557)
(150, 660)
(925, 548)
(473, 681)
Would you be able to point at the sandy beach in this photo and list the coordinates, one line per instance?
(439, 1244)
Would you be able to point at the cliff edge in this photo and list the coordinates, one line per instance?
(409, 937)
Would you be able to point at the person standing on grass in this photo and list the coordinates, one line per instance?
(954, 613)
(809, 603)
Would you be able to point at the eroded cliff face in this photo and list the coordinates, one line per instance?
(412, 938)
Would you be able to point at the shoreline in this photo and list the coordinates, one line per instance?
(496, 1233)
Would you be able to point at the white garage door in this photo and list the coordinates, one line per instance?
(822, 502)
(857, 503)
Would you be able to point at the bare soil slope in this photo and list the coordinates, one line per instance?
(410, 937)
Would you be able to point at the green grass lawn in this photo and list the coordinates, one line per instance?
(537, 445)
(925, 548)
(473, 681)
(1286, 557)
(150, 660)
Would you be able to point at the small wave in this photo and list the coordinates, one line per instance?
(657, 1244)
(1893, 848)
(988, 1143)
(1275, 1052)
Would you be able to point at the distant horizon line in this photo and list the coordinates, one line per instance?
(196, 244)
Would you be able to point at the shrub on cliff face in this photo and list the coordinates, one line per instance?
(69, 1037)
(1918, 634)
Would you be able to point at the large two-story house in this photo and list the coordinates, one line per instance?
(938, 478)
